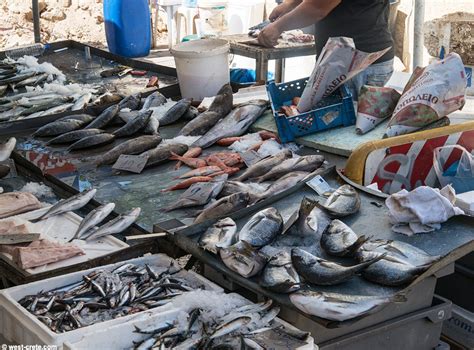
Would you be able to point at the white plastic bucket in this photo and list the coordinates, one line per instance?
(202, 67)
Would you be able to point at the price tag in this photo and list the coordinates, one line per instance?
(134, 164)
(250, 157)
(319, 185)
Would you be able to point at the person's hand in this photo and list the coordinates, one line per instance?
(269, 35)
(282, 9)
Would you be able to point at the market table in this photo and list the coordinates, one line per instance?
(262, 55)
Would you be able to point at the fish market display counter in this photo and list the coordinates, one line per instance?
(452, 242)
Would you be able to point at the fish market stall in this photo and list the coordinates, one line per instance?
(70, 78)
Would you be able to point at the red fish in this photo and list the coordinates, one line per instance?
(191, 153)
(227, 141)
(204, 171)
(266, 135)
(188, 182)
(190, 162)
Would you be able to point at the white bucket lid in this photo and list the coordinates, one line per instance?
(200, 48)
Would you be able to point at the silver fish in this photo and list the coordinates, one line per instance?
(3, 89)
(104, 118)
(91, 141)
(401, 251)
(69, 204)
(262, 228)
(339, 240)
(305, 163)
(230, 327)
(86, 118)
(33, 81)
(134, 125)
(232, 187)
(224, 207)
(322, 272)
(307, 229)
(389, 271)
(131, 102)
(82, 102)
(190, 114)
(199, 193)
(7, 148)
(201, 124)
(175, 112)
(57, 109)
(342, 202)
(279, 275)
(155, 99)
(133, 146)
(152, 126)
(117, 225)
(220, 235)
(73, 136)
(17, 78)
(58, 127)
(162, 153)
(243, 259)
(236, 123)
(224, 100)
(265, 165)
(284, 183)
(95, 217)
(339, 307)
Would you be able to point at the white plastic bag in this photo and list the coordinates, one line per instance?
(462, 179)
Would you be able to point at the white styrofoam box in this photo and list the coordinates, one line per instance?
(243, 14)
(122, 336)
(61, 228)
(465, 201)
(19, 326)
(460, 327)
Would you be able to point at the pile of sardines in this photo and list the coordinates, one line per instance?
(104, 295)
(317, 249)
(251, 326)
(33, 90)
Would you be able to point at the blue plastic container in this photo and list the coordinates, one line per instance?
(127, 27)
(335, 110)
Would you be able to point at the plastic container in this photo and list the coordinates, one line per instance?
(212, 18)
(123, 335)
(418, 330)
(128, 27)
(335, 110)
(202, 67)
(26, 50)
(19, 326)
(243, 14)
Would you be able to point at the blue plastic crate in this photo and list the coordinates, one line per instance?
(335, 110)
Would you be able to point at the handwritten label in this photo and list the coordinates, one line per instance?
(319, 185)
(134, 164)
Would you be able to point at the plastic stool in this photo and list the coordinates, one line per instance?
(189, 13)
(171, 9)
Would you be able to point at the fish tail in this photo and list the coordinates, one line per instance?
(366, 264)
(360, 241)
(174, 156)
(307, 205)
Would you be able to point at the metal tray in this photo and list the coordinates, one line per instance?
(69, 57)
(417, 330)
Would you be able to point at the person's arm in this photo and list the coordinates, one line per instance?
(303, 15)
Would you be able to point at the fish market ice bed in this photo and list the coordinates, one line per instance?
(61, 228)
(18, 325)
(454, 240)
(125, 335)
(70, 58)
